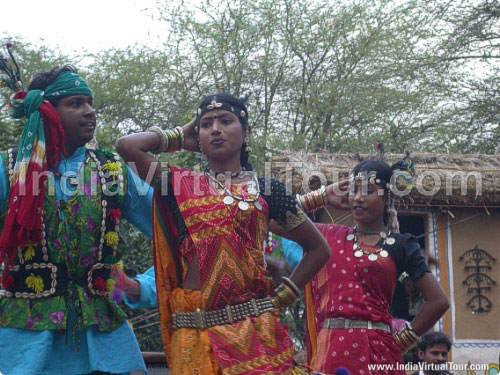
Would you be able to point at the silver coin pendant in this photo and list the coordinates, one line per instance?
(390, 241)
(243, 205)
(228, 200)
(258, 206)
(372, 257)
(384, 254)
(358, 254)
(350, 237)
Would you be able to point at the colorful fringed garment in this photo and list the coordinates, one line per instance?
(227, 243)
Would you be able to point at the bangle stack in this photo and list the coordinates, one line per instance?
(314, 200)
(170, 140)
(406, 338)
(285, 294)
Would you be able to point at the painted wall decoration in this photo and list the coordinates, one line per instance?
(493, 369)
(477, 262)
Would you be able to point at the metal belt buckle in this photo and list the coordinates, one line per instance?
(255, 307)
(229, 314)
(199, 320)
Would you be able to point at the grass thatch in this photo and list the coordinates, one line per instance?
(442, 168)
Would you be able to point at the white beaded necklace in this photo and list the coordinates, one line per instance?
(52, 267)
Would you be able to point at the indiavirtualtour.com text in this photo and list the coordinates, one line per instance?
(447, 366)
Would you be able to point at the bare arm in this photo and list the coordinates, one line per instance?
(316, 249)
(134, 148)
(435, 305)
(132, 289)
(337, 195)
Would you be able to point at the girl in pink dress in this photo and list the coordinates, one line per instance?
(348, 319)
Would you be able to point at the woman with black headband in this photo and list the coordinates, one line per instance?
(218, 310)
(347, 302)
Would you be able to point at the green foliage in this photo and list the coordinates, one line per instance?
(32, 59)
(332, 76)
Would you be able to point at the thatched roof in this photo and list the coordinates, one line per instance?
(456, 174)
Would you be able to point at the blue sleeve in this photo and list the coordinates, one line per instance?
(147, 297)
(138, 205)
(3, 184)
(293, 252)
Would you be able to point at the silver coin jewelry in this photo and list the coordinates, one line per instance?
(243, 205)
(230, 198)
(372, 256)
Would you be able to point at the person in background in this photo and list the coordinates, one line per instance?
(433, 352)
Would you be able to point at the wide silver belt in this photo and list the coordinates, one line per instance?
(227, 315)
(348, 324)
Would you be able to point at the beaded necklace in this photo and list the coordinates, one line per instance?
(102, 240)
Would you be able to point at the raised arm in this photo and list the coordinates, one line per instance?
(335, 195)
(135, 148)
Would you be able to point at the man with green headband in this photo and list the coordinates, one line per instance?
(61, 204)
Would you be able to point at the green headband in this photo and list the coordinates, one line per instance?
(66, 84)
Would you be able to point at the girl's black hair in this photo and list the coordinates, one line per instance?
(232, 104)
(383, 173)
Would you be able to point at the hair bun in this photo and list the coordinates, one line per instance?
(405, 165)
(244, 99)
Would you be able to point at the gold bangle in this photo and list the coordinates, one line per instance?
(412, 332)
(163, 139)
(292, 285)
(398, 341)
(314, 200)
(406, 338)
(403, 340)
(402, 343)
(171, 140)
(180, 129)
(284, 296)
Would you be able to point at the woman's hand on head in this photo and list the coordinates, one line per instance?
(337, 195)
(190, 136)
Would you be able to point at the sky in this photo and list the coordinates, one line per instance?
(77, 26)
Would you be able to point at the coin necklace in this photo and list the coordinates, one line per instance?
(372, 256)
(243, 203)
